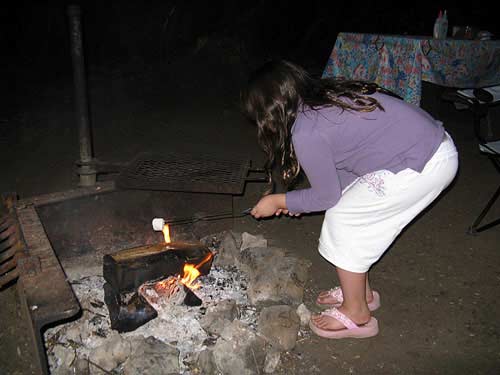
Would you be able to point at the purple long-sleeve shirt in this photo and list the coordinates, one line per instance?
(335, 147)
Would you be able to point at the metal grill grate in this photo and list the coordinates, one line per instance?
(185, 172)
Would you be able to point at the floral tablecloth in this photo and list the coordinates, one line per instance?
(401, 63)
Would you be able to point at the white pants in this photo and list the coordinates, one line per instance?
(377, 206)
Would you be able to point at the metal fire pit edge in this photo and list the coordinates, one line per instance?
(45, 294)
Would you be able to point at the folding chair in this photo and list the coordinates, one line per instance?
(482, 103)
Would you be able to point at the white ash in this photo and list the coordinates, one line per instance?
(176, 325)
(227, 283)
(86, 333)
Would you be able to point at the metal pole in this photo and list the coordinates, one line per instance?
(86, 169)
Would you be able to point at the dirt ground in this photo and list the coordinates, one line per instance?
(439, 285)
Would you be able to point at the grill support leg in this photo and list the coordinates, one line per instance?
(86, 170)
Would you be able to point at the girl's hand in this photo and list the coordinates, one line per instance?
(270, 205)
(285, 212)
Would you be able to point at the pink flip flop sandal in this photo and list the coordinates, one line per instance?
(352, 330)
(336, 293)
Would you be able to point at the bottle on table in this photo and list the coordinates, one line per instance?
(441, 26)
(444, 26)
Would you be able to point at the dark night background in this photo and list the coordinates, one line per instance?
(36, 38)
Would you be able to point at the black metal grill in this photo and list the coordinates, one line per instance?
(185, 172)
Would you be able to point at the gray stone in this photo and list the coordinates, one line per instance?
(273, 276)
(111, 353)
(248, 240)
(304, 314)
(81, 367)
(118, 347)
(135, 342)
(65, 357)
(239, 351)
(101, 359)
(206, 362)
(228, 252)
(280, 325)
(238, 237)
(152, 357)
(209, 240)
(273, 358)
(73, 333)
(217, 326)
(219, 316)
(214, 240)
(259, 258)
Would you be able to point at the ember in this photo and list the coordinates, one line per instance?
(163, 289)
(169, 286)
(168, 292)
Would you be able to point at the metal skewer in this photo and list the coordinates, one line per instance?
(158, 222)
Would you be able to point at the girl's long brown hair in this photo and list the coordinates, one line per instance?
(274, 95)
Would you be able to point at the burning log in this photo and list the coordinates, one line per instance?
(127, 270)
(140, 279)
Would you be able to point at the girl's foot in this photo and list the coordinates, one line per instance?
(327, 322)
(334, 297)
(336, 324)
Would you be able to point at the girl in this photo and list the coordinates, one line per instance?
(373, 162)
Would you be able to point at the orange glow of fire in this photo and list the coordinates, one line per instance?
(191, 273)
(166, 233)
(167, 285)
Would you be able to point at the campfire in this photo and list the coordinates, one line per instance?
(142, 280)
(226, 304)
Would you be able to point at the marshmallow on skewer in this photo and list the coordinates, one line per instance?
(158, 224)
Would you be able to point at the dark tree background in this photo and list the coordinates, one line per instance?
(35, 34)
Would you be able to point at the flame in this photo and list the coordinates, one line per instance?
(166, 233)
(191, 273)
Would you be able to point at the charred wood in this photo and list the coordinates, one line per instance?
(128, 315)
(128, 269)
